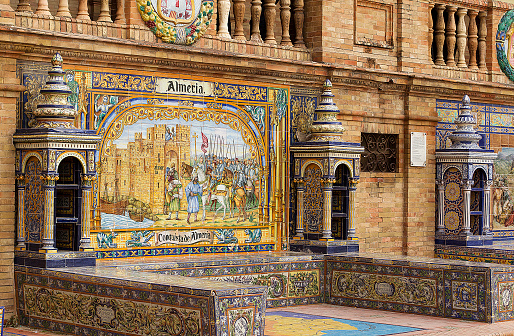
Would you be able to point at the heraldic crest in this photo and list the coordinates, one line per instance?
(177, 21)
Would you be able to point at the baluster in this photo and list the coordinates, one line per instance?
(239, 14)
(23, 6)
(63, 9)
(42, 8)
(285, 17)
(472, 39)
(256, 19)
(461, 38)
(223, 13)
(83, 11)
(482, 33)
(298, 23)
(269, 18)
(450, 36)
(105, 14)
(439, 35)
(120, 13)
(430, 30)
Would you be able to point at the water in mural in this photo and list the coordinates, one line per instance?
(173, 173)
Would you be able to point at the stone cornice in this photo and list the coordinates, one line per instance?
(297, 73)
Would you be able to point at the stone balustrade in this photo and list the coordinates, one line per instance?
(457, 36)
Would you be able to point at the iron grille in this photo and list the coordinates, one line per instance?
(379, 152)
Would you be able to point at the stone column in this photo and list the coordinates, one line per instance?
(23, 6)
(83, 12)
(223, 13)
(440, 207)
(461, 38)
(285, 17)
(63, 9)
(49, 218)
(439, 35)
(42, 8)
(327, 209)
(486, 211)
(450, 36)
(351, 210)
(239, 15)
(85, 240)
(120, 13)
(466, 207)
(482, 34)
(105, 13)
(269, 18)
(298, 16)
(20, 232)
(256, 19)
(430, 30)
(299, 209)
(472, 39)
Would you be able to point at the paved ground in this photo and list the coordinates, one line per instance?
(328, 320)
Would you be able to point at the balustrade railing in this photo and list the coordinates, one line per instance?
(264, 21)
(457, 36)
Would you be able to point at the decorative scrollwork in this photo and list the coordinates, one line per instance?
(380, 152)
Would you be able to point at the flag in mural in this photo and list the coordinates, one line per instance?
(205, 143)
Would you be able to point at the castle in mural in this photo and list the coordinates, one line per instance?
(146, 177)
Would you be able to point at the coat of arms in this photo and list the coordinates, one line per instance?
(177, 21)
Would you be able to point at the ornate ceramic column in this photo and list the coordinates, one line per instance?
(440, 206)
(49, 217)
(439, 35)
(327, 209)
(466, 206)
(461, 38)
(450, 36)
(482, 34)
(472, 39)
(239, 15)
(298, 16)
(20, 230)
(223, 13)
(486, 223)
(351, 216)
(269, 18)
(85, 241)
(256, 19)
(285, 17)
(299, 208)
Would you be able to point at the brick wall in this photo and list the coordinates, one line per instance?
(9, 91)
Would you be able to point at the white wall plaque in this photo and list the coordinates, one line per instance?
(418, 149)
(184, 87)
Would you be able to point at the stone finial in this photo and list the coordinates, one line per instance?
(55, 111)
(465, 136)
(326, 127)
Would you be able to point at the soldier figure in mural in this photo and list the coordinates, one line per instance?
(173, 192)
(193, 191)
(102, 107)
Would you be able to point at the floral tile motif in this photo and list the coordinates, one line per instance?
(240, 321)
(464, 295)
(505, 294)
(140, 318)
(387, 288)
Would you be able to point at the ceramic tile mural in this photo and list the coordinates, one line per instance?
(496, 125)
(182, 162)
